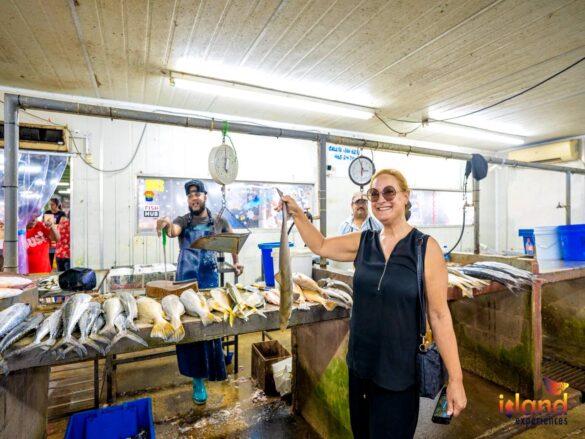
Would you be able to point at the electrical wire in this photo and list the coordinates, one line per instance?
(400, 133)
(107, 171)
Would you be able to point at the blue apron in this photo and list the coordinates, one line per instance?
(202, 359)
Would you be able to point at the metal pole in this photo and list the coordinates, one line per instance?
(475, 216)
(568, 198)
(323, 191)
(11, 183)
(238, 127)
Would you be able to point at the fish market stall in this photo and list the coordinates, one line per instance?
(498, 330)
(117, 332)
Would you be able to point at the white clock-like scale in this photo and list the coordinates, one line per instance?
(223, 164)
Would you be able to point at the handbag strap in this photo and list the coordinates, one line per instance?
(422, 320)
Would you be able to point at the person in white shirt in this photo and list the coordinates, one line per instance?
(360, 220)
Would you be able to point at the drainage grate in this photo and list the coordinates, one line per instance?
(561, 371)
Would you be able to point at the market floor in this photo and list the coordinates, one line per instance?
(236, 409)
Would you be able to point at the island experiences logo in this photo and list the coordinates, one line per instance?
(532, 412)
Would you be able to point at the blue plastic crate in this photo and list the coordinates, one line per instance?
(267, 261)
(114, 422)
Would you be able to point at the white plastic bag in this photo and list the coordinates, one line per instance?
(282, 372)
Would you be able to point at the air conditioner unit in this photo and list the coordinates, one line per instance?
(40, 137)
(566, 151)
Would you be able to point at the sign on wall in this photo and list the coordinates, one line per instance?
(251, 203)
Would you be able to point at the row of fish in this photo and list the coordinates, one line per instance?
(480, 274)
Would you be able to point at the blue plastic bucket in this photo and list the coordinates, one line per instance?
(548, 247)
(572, 240)
(267, 262)
(528, 236)
(114, 422)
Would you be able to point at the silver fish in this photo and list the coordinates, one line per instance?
(42, 331)
(130, 308)
(55, 327)
(112, 308)
(86, 323)
(12, 316)
(497, 276)
(334, 283)
(285, 268)
(100, 322)
(342, 296)
(72, 311)
(19, 331)
(120, 323)
(523, 276)
(174, 309)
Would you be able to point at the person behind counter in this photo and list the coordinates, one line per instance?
(381, 358)
(360, 219)
(63, 250)
(38, 240)
(55, 211)
(204, 359)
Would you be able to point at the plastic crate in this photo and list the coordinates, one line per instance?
(114, 422)
(267, 261)
(572, 238)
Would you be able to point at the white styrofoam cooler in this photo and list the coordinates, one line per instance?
(301, 260)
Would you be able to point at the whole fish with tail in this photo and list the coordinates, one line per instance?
(12, 316)
(121, 323)
(72, 311)
(285, 268)
(19, 331)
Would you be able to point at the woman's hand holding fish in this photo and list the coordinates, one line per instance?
(294, 209)
(456, 397)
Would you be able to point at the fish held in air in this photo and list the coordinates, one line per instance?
(130, 308)
(174, 309)
(12, 316)
(285, 270)
(151, 311)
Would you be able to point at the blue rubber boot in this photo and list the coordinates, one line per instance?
(199, 392)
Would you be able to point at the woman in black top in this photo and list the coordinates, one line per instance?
(383, 391)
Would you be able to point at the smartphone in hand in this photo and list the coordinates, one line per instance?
(440, 415)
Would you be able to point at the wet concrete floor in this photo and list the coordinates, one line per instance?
(236, 409)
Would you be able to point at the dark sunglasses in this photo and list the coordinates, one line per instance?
(389, 193)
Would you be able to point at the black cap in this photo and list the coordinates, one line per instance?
(197, 183)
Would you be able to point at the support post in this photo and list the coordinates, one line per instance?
(476, 212)
(11, 183)
(568, 198)
(323, 191)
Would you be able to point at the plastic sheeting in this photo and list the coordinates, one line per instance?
(38, 175)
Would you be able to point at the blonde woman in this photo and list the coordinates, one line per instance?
(383, 341)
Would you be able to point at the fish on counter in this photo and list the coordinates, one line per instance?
(112, 308)
(42, 331)
(285, 270)
(12, 316)
(72, 311)
(523, 277)
(174, 309)
(493, 275)
(130, 308)
(55, 328)
(335, 284)
(305, 282)
(314, 296)
(242, 306)
(6, 293)
(221, 302)
(14, 282)
(341, 298)
(19, 331)
(121, 323)
(86, 322)
(272, 296)
(151, 311)
(196, 305)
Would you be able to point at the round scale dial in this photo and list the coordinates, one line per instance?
(223, 164)
(361, 170)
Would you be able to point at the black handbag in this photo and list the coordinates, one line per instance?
(429, 365)
(77, 279)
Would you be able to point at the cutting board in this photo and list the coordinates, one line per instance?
(157, 289)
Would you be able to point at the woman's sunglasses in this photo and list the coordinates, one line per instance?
(389, 193)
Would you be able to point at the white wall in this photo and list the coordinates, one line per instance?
(104, 204)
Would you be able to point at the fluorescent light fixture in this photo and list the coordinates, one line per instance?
(65, 191)
(474, 133)
(30, 169)
(63, 183)
(235, 90)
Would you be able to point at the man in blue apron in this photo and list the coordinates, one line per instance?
(203, 359)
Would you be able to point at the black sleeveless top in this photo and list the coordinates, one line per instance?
(383, 337)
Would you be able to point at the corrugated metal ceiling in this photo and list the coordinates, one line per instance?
(409, 59)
